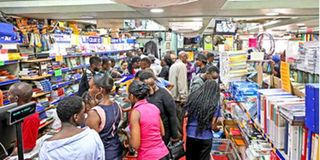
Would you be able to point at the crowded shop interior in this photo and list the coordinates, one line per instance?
(159, 80)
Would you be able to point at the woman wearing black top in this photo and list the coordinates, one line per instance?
(163, 100)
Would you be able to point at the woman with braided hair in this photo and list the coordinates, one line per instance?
(201, 110)
(146, 127)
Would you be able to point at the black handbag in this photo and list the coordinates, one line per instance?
(176, 150)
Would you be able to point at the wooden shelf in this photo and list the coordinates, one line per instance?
(36, 60)
(40, 94)
(35, 78)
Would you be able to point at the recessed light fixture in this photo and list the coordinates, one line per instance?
(156, 10)
(300, 24)
(272, 14)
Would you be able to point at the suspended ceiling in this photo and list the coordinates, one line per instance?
(188, 13)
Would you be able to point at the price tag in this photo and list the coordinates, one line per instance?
(57, 72)
(1, 63)
(59, 58)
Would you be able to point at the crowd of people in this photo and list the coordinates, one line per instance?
(162, 93)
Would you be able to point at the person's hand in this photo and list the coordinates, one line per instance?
(126, 100)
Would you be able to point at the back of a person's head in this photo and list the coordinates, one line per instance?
(105, 60)
(112, 60)
(210, 54)
(139, 89)
(146, 74)
(103, 81)
(22, 90)
(147, 60)
(68, 107)
(95, 60)
(212, 69)
(135, 59)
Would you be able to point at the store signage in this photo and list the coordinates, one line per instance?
(62, 38)
(94, 40)
(117, 40)
(285, 76)
(19, 113)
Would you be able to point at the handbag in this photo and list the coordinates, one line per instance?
(176, 150)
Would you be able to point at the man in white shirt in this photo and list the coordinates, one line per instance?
(155, 66)
(178, 77)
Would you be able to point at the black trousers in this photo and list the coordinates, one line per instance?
(198, 149)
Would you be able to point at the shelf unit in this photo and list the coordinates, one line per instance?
(257, 126)
(40, 94)
(9, 82)
(35, 77)
(36, 60)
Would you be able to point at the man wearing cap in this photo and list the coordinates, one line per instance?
(201, 62)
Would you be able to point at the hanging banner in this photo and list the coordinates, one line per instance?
(285, 76)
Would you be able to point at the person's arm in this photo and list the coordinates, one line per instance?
(182, 82)
(134, 139)
(167, 84)
(162, 130)
(194, 86)
(93, 120)
(170, 109)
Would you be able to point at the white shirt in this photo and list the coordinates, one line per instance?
(178, 77)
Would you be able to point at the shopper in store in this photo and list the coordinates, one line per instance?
(161, 98)
(197, 81)
(107, 68)
(95, 67)
(134, 65)
(178, 77)
(72, 142)
(145, 63)
(106, 116)
(146, 128)
(210, 59)
(201, 110)
(164, 73)
(160, 82)
(155, 66)
(201, 63)
(21, 93)
(123, 70)
(167, 58)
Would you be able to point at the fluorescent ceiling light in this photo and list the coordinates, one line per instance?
(300, 24)
(197, 19)
(156, 10)
(272, 14)
(86, 17)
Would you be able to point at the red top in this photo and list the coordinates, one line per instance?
(30, 128)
